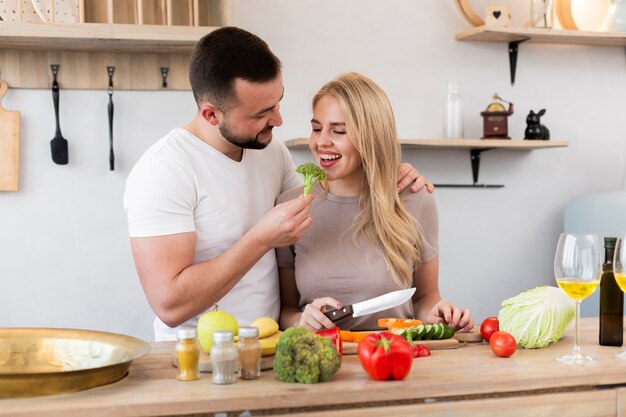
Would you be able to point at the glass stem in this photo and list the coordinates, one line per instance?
(577, 336)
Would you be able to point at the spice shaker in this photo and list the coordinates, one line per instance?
(223, 358)
(249, 353)
(187, 355)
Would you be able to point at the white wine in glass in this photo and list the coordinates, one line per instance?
(619, 271)
(578, 270)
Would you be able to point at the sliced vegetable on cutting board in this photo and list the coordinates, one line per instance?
(388, 323)
(9, 145)
(348, 336)
(350, 348)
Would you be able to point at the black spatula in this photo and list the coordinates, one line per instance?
(58, 144)
(111, 71)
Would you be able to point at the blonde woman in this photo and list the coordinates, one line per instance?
(366, 239)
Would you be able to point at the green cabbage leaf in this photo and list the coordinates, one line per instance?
(537, 317)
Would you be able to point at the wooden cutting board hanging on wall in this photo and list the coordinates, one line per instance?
(9, 145)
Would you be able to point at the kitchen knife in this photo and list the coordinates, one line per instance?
(373, 305)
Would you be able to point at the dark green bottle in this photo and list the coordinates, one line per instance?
(611, 300)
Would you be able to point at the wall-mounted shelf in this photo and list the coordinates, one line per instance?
(101, 37)
(475, 146)
(515, 36)
(84, 50)
(138, 38)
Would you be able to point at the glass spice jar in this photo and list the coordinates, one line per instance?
(188, 355)
(224, 358)
(249, 353)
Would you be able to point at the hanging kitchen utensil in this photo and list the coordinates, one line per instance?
(58, 144)
(111, 71)
(9, 145)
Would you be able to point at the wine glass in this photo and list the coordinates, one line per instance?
(578, 270)
(619, 271)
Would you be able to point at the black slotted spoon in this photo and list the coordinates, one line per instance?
(58, 144)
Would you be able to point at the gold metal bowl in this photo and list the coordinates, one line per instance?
(50, 361)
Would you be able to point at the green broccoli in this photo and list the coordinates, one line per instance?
(312, 174)
(305, 357)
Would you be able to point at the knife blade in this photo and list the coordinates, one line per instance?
(373, 305)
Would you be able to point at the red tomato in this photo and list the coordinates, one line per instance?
(385, 356)
(503, 344)
(488, 327)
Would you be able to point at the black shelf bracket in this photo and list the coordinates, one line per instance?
(475, 159)
(513, 50)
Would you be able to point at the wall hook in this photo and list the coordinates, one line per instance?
(164, 71)
(55, 70)
(111, 71)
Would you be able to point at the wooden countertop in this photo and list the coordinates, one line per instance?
(448, 377)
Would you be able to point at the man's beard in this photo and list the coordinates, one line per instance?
(245, 143)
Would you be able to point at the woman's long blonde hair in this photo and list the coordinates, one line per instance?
(382, 218)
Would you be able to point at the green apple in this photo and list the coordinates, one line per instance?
(212, 321)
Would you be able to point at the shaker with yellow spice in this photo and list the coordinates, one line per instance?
(188, 355)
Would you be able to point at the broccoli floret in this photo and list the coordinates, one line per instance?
(305, 357)
(311, 174)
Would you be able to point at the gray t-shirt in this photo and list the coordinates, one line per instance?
(328, 263)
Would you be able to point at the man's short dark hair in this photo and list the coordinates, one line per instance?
(223, 55)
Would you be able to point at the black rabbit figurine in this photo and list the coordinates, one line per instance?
(534, 129)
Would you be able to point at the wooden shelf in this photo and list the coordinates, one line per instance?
(465, 144)
(515, 36)
(101, 37)
(147, 41)
(475, 146)
(537, 35)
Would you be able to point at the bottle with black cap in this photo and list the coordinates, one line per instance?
(611, 300)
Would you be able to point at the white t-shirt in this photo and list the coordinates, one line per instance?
(182, 184)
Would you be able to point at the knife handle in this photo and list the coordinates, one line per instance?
(340, 313)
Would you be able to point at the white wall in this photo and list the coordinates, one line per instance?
(64, 253)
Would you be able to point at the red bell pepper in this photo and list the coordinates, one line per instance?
(385, 356)
(335, 336)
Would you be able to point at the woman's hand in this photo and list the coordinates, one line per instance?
(452, 315)
(313, 318)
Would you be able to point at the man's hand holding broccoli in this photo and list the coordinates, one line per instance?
(311, 174)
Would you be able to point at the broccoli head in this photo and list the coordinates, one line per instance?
(305, 357)
(312, 174)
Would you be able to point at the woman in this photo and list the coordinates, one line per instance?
(366, 239)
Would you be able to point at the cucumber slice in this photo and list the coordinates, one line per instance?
(438, 334)
(408, 334)
(420, 331)
(448, 332)
(399, 332)
(429, 331)
(412, 331)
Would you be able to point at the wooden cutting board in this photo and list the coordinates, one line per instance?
(350, 348)
(469, 337)
(267, 362)
(9, 145)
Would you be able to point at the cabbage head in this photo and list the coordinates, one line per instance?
(537, 317)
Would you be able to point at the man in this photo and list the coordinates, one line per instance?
(200, 201)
